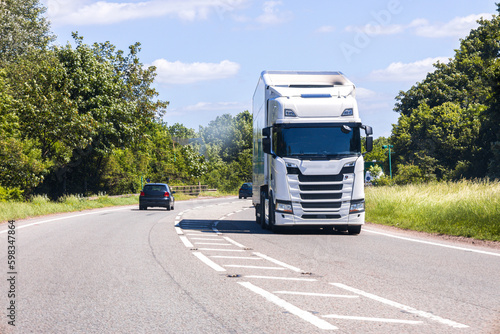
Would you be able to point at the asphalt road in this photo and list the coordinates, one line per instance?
(206, 267)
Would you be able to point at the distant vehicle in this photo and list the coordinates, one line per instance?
(245, 190)
(156, 195)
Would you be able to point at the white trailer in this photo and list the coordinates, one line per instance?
(307, 161)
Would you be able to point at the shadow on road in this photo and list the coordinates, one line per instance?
(249, 227)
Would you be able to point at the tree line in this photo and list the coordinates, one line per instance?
(449, 124)
(86, 119)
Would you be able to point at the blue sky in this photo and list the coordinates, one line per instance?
(210, 53)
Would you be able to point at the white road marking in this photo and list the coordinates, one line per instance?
(221, 250)
(401, 306)
(179, 230)
(397, 321)
(284, 278)
(315, 294)
(206, 239)
(433, 243)
(212, 243)
(304, 315)
(253, 267)
(236, 257)
(234, 242)
(208, 262)
(185, 241)
(283, 264)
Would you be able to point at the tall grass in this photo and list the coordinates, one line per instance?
(465, 208)
(41, 205)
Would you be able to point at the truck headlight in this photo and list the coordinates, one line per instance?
(357, 206)
(348, 112)
(284, 206)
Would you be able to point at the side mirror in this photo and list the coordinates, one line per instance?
(266, 141)
(369, 144)
(368, 130)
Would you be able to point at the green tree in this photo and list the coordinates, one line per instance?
(79, 104)
(22, 27)
(21, 165)
(461, 143)
(438, 140)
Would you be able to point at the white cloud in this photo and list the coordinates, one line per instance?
(272, 14)
(187, 73)
(325, 29)
(86, 12)
(410, 72)
(364, 93)
(458, 27)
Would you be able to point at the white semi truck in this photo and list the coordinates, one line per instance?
(307, 161)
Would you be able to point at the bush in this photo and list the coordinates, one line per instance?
(11, 194)
(412, 174)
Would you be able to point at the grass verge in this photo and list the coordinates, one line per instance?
(41, 205)
(466, 208)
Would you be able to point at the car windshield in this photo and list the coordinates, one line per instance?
(309, 141)
(154, 188)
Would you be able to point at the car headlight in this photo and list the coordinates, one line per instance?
(284, 206)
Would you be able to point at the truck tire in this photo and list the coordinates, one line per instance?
(354, 229)
(264, 222)
(258, 214)
(272, 215)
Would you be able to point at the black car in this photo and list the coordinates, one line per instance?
(156, 195)
(245, 190)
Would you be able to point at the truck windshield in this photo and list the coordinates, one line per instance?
(320, 141)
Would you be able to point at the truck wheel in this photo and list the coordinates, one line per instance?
(272, 215)
(264, 217)
(258, 214)
(355, 229)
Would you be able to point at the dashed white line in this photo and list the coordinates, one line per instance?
(236, 257)
(283, 264)
(284, 278)
(315, 294)
(304, 315)
(212, 243)
(397, 321)
(206, 239)
(185, 241)
(253, 267)
(208, 262)
(401, 306)
(221, 250)
(234, 242)
(179, 230)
